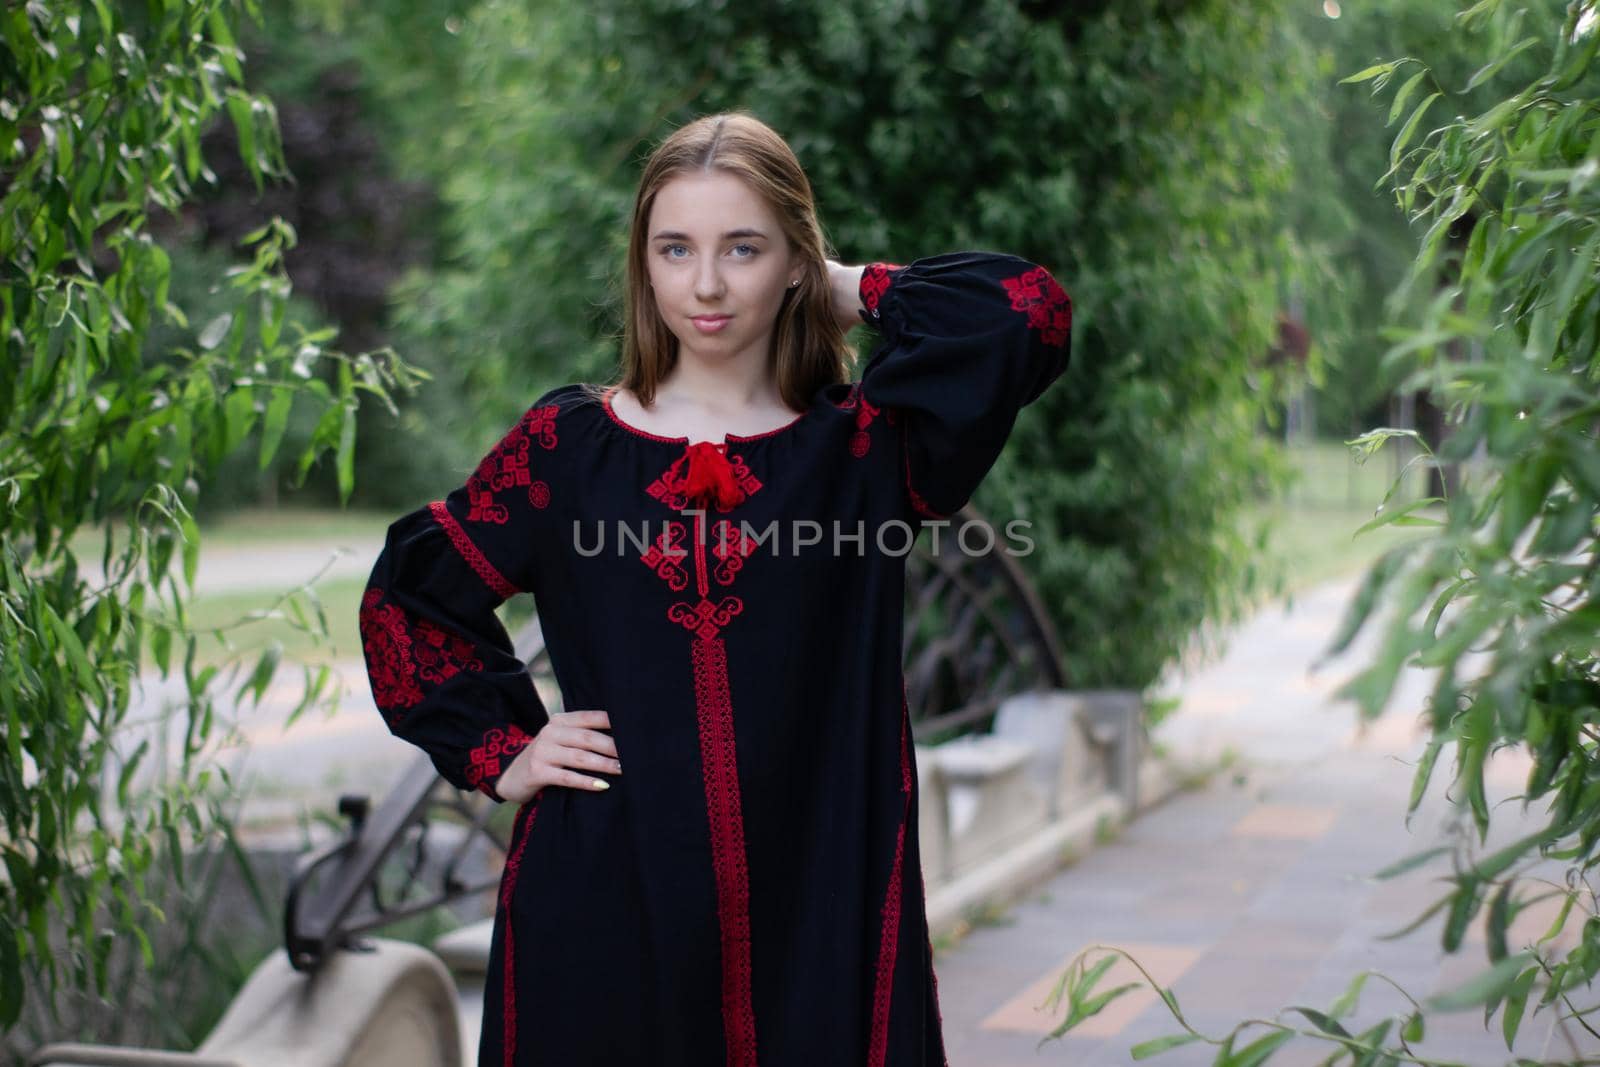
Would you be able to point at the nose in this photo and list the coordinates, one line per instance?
(708, 281)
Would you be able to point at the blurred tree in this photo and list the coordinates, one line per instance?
(1342, 158)
(102, 112)
(1139, 150)
(359, 225)
(1500, 597)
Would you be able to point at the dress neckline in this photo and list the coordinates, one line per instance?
(727, 438)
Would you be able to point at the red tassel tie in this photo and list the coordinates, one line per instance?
(709, 478)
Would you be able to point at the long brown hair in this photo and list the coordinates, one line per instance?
(809, 346)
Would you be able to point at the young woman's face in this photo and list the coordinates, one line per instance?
(719, 264)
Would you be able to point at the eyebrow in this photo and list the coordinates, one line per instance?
(674, 235)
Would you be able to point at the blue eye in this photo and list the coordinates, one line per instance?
(754, 251)
(667, 251)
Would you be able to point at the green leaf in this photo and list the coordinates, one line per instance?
(261, 677)
(1500, 60)
(244, 124)
(128, 768)
(1258, 1050)
(1366, 599)
(226, 51)
(146, 952)
(1516, 1004)
(272, 427)
(1560, 920)
(1092, 1006)
(346, 455)
(1419, 781)
(1379, 69)
(1347, 1000)
(1145, 1049)
(1411, 862)
(1496, 921)
(1325, 1023)
(239, 416)
(1402, 516)
(1494, 982)
(1498, 861)
(1404, 94)
(191, 547)
(1410, 128)
(77, 657)
(161, 647)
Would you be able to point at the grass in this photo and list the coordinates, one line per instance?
(262, 526)
(252, 619)
(340, 599)
(1311, 532)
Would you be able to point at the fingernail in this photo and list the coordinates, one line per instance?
(598, 784)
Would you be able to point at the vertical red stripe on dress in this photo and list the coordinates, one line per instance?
(889, 939)
(714, 707)
(508, 886)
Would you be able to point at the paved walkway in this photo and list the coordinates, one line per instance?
(1250, 895)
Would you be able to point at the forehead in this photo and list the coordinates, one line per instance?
(708, 204)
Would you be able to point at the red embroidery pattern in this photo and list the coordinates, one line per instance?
(508, 885)
(731, 546)
(673, 486)
(666, 557)
(890, 935)
(715, 478)
(506, 467)
(705, 620)
(386, 640)
(861, 441)
(469, 552)
(875, 281)
(499, 746)
(441, 654)
(1047, 305)
(714, 707)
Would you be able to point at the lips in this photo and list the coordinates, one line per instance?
(710, 323)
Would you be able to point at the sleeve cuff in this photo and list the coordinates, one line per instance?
(875, 281)
(488, 759)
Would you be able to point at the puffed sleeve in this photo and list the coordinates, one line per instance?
(440, 663)
(968, 340)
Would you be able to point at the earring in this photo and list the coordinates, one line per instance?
(794, 283)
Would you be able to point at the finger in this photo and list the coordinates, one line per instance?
(593, 740)
(583, 738)
(596, 718)
(586, 782)
(587, 760)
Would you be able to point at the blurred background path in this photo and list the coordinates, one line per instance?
(1250, 894)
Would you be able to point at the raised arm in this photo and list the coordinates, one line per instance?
(968, 340)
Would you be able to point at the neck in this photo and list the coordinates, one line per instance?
(740, 383)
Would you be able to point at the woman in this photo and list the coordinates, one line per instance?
(716, 546)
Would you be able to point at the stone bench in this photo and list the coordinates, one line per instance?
(386, 1004)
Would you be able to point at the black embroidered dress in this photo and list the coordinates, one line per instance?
(749, 889)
